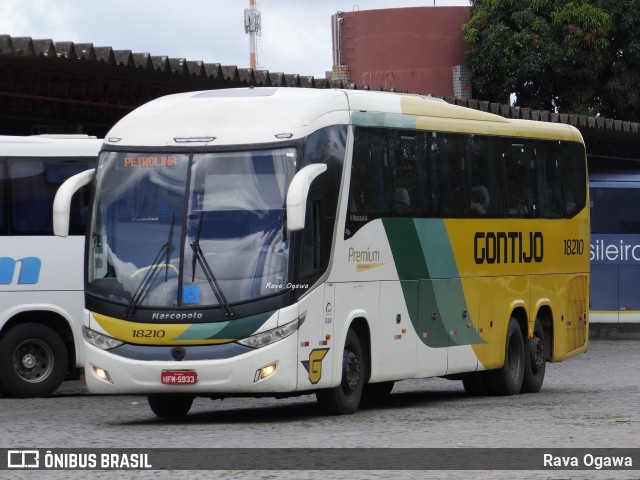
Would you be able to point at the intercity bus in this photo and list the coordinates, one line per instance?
(283, 241)
(615, 248)
(41, 281)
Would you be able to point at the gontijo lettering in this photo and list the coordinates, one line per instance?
(508, 247)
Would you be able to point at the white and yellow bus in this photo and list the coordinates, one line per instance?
(41, 281)
(281, 241)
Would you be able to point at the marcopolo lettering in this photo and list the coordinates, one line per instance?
(508, 247)
(176, 316)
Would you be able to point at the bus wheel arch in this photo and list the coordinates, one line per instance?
(60, 324)
(356, 360)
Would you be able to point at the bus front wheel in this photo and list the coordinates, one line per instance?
(170, 405)
(475, 384)
(508, 379)
(345, 398)
(33, 361)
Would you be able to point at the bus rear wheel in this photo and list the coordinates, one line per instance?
(345, 398)
(508, 379)
(170, 405)
(33, 361)
(535, 361)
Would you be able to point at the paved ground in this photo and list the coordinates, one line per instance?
(586, 402)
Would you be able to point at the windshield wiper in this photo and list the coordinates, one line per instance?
(199, 257)
(152, 272)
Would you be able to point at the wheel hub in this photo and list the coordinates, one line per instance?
(29, 361)
(536, 351)
(352, 373)
(33, 361)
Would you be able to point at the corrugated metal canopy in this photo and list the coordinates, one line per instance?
(81, 88)
(66, 87)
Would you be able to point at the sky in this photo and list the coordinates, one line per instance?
(295, 38)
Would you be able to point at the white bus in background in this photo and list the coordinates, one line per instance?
(41, 282)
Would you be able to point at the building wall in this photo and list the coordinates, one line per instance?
(411, 49)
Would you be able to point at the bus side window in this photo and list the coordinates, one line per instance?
(484, 164)
(371, 187)
(573, 165)
(447, 153)
(31, 199)
(519, 168)
(404, 162)
(549, 179)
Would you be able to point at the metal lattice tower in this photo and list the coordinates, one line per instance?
(253, 28)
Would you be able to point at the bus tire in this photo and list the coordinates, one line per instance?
(535, 361)
(33, 361)
(475, 384)
(345, 398)
(507, 380)
(170, 405)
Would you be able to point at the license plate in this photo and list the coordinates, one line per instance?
(179, 377)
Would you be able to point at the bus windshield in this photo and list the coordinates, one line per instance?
(173, 230)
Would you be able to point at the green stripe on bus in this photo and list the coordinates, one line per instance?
(424, 259)
(406, 248)
(436, 247)
(233, 330)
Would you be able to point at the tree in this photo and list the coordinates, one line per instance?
(621, 95)
(553, 54)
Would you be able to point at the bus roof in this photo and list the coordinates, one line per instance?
(272, 114)
(49, 146)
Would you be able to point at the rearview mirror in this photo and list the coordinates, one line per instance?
(62, 201)
(298, 193)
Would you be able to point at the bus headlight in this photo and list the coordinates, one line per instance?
(263, 339)
(103, 342)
